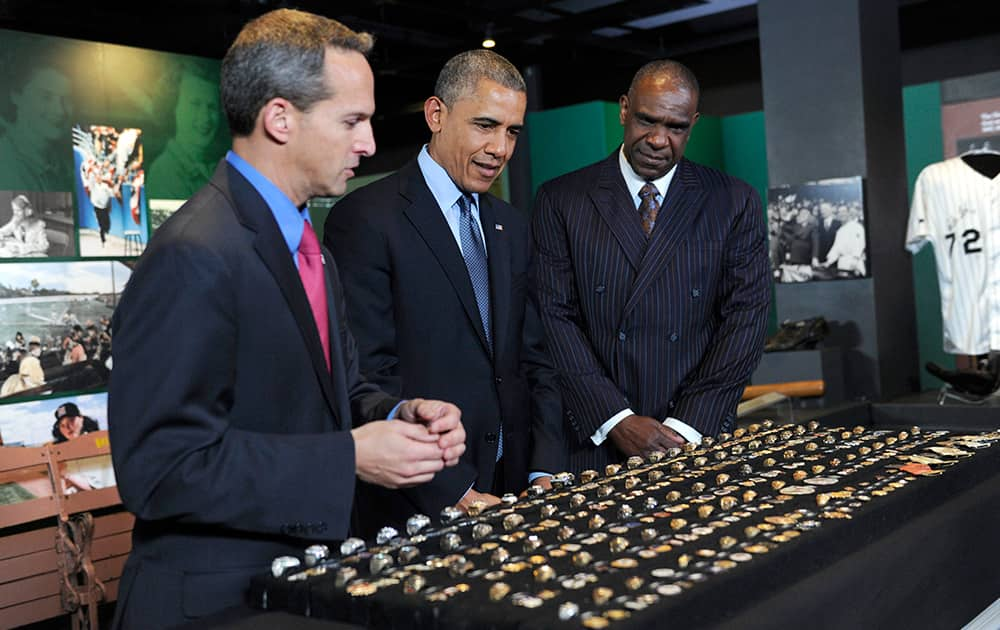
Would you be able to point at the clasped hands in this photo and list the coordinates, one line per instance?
(641, 435)
(426, 436)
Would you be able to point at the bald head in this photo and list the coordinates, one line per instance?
(657, 114)
(666, 70)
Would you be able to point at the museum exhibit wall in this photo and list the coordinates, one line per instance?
(66, 103)
(102, 142)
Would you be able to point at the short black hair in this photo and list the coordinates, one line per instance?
(462, 73)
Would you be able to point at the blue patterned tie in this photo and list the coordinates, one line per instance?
(474, 253)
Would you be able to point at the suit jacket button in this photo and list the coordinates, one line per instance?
(673, 336)
(599, 288)
(695, 292)
(491, 438)
(621, 335)
(499, 380)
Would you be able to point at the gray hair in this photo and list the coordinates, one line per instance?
(281, 53)
(462, 73)
(667, 67)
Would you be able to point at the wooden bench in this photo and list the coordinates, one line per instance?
(55, 557)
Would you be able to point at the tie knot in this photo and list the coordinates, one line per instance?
(465, 203)
(647, 190)
(309, 245)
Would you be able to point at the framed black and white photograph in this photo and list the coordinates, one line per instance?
(817, 231)
(36, 225)
(55, 326)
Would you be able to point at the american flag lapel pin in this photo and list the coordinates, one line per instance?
(498, 227)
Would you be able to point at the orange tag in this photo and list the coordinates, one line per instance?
(917, 469)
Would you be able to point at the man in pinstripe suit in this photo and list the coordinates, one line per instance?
(653, 280)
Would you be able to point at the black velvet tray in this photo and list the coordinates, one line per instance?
(890, 544)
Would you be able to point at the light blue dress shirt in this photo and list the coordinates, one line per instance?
(290, 220)
(446, 194)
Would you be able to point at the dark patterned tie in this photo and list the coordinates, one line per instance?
(474, 252)
(314, 282)
(649, 207)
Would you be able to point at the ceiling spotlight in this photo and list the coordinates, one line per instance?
(488, 41)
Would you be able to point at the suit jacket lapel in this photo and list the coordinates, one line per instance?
(680, 207)
(338, 385)
(270, 246)
(616, 207)
(425, 215)
(498, 253)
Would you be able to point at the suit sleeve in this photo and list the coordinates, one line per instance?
(366, 275)
(709, 394)
(548, 444)
(368, 401)
(175, 452)
(590, 397)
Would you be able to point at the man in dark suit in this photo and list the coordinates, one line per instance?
(826, 231)
(436, 273)
(653, 283)
(236, 378)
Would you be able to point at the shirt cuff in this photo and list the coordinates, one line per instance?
(687, 432)
(466, 492)
(395, 410)
(537, 475)
(602, 433)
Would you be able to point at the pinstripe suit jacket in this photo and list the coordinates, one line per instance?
(672, 325)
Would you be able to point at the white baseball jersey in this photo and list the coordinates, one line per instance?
(957, 210)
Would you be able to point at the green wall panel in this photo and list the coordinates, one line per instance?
(567, 138)
(612, 128)
(744, 147)
(922, 129)
(705, 145)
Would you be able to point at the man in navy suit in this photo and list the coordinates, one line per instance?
(653, 283)
(236, 379)
(437, 277)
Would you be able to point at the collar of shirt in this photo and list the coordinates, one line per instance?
(291, 220)
(635, 183)
(446, 194)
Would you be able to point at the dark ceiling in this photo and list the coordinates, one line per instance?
(580, 50)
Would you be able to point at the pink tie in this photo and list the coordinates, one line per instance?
(313, 281)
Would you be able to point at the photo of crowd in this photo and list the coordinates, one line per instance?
(55, 334)
(817, 231)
